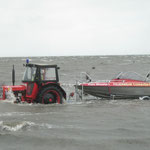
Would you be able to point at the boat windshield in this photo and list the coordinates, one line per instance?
(130, 75)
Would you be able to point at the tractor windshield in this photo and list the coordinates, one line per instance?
(29, 74)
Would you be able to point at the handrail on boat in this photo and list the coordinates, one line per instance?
(88, 77)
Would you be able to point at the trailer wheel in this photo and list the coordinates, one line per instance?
(50, 95)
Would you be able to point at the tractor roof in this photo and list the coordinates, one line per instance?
(40, 65)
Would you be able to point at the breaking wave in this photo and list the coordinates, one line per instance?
(28, 126)
(23, 126)
(15, 126)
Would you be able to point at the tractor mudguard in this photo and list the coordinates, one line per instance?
(56, 85)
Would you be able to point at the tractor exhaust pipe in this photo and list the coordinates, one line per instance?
(13, 75)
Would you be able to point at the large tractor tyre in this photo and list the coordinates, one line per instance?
(50, 95)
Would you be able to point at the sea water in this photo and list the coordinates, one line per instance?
(89, 124)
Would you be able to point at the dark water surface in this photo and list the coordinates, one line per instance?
(85, 125)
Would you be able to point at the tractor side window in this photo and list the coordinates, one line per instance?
(29, 74)
(48, 74)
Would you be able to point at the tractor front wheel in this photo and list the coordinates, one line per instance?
(50, 95)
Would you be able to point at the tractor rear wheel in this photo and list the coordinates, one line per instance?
(50, 95)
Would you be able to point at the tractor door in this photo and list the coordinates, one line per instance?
(32, 90)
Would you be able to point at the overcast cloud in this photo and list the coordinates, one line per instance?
(74, 27)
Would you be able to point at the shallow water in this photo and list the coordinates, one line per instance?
(87, 124)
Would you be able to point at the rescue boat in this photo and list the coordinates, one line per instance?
(126, 85)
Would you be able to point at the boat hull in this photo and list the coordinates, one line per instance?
(117, 92)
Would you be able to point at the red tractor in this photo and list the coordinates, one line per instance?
(41, 85)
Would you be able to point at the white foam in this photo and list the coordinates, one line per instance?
(12, 126)
(10, 96)
(27, 125)
(15, 126)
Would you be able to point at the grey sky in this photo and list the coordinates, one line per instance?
(74, 27)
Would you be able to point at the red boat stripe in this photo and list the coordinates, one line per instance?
(128, 84)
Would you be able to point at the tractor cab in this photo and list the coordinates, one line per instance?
(41, 73)
(42, 84)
